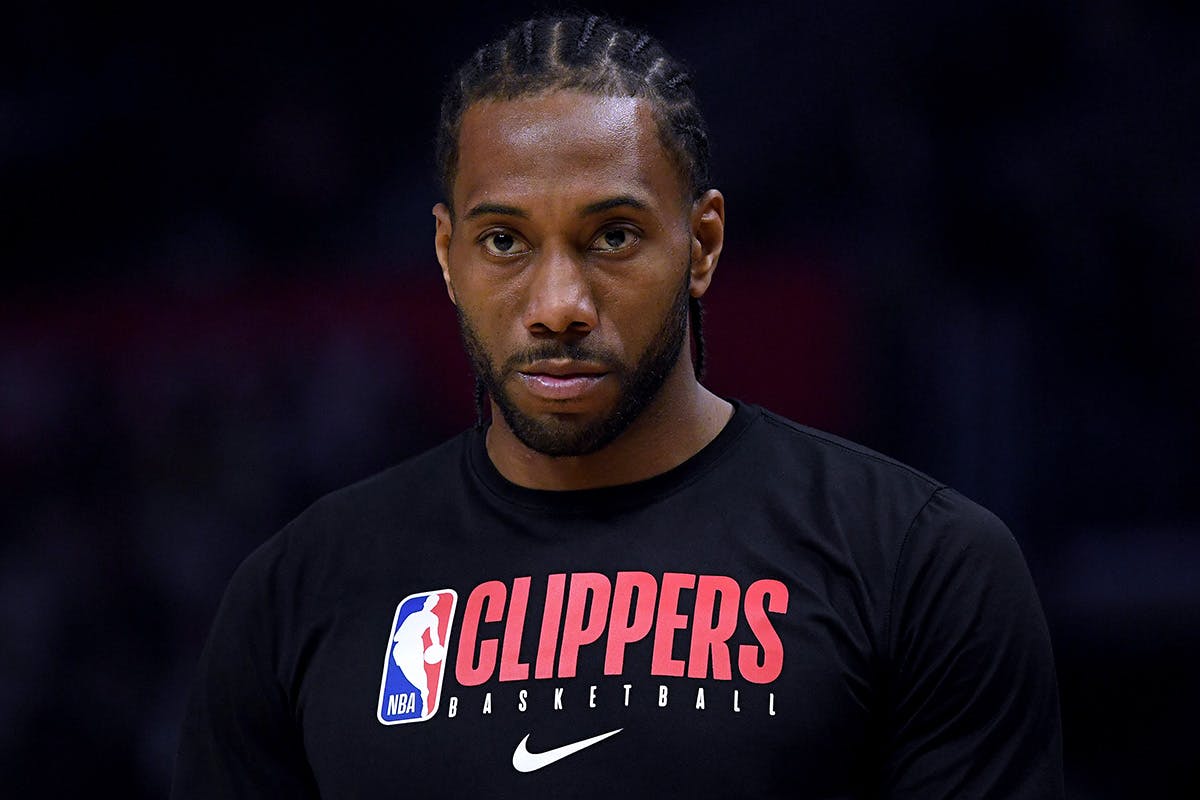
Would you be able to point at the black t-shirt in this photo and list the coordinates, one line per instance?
(785, 614)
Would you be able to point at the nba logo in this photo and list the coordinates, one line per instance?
(415, 660)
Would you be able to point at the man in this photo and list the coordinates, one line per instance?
(641, 588)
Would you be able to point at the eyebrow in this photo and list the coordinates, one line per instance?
(500, 209)
(496, 208)
(613, 202)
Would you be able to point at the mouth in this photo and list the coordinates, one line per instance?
(562, 380)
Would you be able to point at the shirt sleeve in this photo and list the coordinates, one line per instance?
(972, 697)
(239, 737)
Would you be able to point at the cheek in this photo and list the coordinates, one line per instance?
(490, 310)
(477, 289)
(636, 310)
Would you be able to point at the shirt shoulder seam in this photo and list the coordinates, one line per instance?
(862, 452)
(896, 569)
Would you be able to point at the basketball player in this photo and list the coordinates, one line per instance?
(661, 592)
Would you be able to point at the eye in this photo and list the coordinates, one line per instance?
(614, 240)
(503, 243)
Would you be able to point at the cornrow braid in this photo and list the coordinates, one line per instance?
(642, 41)
(480, 391)
(586, 33)
(696, 318)
(529, 39)
(679, 79)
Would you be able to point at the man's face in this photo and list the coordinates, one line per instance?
(568, 260)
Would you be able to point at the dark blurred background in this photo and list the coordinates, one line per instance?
(964, 234)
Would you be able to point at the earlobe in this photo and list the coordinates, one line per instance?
(708, 237)
(443, 231)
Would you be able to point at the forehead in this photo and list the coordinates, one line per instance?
(563, 145)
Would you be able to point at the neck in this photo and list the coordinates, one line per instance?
(677, 424)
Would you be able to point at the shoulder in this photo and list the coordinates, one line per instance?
(345, 529)
(835, 452)
(416, 481)
(963, 539)
(865, 488)
(879, 504)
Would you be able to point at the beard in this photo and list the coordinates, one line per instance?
(556, 435)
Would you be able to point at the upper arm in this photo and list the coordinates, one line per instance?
(239, 737)
(972, 695)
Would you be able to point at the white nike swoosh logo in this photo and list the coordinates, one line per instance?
(525, 761)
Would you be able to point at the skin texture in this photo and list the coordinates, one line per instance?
(570, 250)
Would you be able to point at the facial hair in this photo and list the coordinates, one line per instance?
(638, 384)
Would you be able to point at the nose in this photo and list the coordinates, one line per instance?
(560, 297)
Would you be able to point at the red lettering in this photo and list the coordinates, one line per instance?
(709, 636)
(621, 629)
(669, 620)
(768, 667)
(467, 669)
(575, 632)
(551, 619)
(511, 668)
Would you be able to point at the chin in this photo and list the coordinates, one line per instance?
(563, 434)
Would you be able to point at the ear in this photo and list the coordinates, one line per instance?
(441, 244)
(708, 237)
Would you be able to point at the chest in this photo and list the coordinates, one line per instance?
(686, 666)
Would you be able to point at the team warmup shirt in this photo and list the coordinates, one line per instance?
(785, 614)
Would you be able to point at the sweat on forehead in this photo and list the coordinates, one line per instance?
(591, 55)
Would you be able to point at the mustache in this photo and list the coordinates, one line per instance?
(573, 350)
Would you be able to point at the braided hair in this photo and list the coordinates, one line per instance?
(594, 55)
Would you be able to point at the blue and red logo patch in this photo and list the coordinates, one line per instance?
(414, 665)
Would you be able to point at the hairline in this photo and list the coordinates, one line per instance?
(689, 194)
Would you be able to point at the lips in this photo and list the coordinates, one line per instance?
(561, 379)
